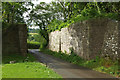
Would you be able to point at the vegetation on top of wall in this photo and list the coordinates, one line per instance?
(98, 64)
(56, 15)
(59, 24)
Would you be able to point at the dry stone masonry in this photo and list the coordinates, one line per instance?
(90, 38)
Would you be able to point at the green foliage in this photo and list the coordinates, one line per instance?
(113, 16)
(36, 41)
(33, 45)
(57, 15)
(44, 36)
(13, 12)
(73, 58)
(33, 30)
(58, 24)
(85, 15)
(90, 12)
(16, 57)
(37, 45)
(28, 69)
(43, 40)
(99, 64)
(33, 37)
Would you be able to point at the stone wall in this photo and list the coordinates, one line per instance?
(14, 39)
(88, 38)
(55, 41)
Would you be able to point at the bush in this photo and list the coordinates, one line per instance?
(99, 64)
(33, 45)
(42, 46)
(36, 41)
(34, 37)
(72, 58)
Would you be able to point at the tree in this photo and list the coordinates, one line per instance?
(12, 12)
(64, 12)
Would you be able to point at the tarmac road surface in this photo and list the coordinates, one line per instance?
(69, 71)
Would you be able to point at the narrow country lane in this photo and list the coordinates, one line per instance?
(68, 70)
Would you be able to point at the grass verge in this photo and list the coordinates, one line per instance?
(98, 64)
(25, 67)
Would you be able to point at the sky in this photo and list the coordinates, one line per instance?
(35, 2)
(38, 1)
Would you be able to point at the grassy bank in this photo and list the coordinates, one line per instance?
(98, 64)
(16, 66)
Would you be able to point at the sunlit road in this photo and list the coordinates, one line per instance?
(68, 70)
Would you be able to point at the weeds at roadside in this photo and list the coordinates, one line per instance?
(98, 64)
